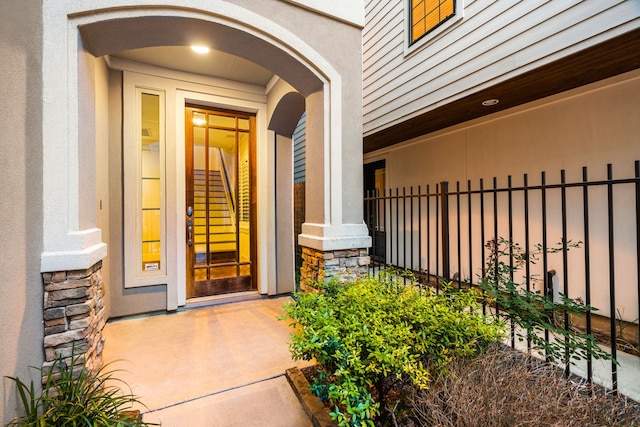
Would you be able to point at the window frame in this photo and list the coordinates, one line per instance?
(135, 275)
(434, 33)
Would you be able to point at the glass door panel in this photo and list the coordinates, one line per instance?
(150, 185)
(219, 176)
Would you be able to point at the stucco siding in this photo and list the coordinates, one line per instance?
(592, 126)
(21, 330)
(492, 42)
(350, 12)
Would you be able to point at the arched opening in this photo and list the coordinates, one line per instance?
(93, 134)
(108, 36)
(289, 108)
(286, 114)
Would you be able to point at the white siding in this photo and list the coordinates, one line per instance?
(492, 43)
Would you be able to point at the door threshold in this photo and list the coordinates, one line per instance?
(222, 299)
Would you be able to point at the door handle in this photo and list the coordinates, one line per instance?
(190, 232)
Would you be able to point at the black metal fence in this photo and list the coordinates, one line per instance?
(440, 231)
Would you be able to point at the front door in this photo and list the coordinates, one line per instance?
(220, 204)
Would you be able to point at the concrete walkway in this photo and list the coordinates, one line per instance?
(219, 365)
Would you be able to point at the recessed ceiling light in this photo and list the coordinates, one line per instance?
(200, 49)
(490, 102)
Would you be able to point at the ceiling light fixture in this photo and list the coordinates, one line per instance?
(200, 49)
(490, 102)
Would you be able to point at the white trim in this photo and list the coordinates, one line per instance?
(134, 277)
(329, 238)
(220, 85)
(73, 260)
(93, 250)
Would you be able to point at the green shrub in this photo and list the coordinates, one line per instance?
(71, 396)
(377, 328)
(533, 311)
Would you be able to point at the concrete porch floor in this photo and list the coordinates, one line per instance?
(220, 365)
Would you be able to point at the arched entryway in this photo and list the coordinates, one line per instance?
(88, 123)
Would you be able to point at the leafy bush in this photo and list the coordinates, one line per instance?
(72, 396)
(377, 328)
(533, 311)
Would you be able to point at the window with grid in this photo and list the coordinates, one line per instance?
(428, 14)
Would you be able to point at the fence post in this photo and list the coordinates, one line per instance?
(444, 195)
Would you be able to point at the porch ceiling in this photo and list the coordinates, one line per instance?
(109, 37)
(610, 58)
(214, 64)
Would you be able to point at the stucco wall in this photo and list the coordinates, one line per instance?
(21, 330)
(591, 126)
(296, 42)
(341, 45)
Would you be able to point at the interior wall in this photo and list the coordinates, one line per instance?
(21, 330)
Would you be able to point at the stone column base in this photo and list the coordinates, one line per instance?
(74, 317)
(322, 266)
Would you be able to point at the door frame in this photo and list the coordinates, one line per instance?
(262, 266)
(189, 280)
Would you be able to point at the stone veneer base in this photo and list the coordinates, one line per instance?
(322, 266)
(74, 317)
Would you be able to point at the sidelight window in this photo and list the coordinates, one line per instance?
(144, 191)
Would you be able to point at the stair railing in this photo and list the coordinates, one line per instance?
(227, 184)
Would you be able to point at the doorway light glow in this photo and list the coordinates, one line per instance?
(200, 49)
